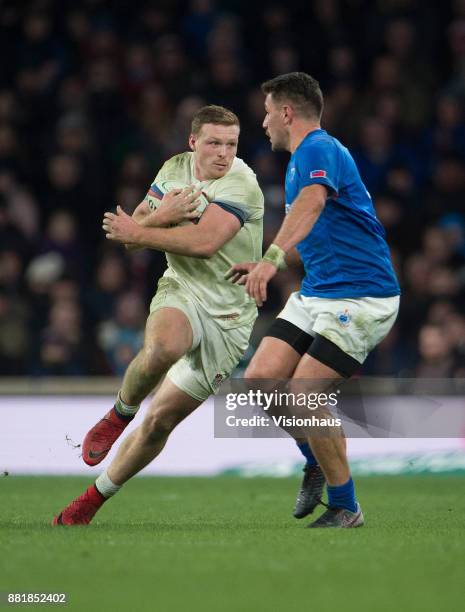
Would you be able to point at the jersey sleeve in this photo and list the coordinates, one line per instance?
(241, 196)
(154, 194)
(318, 165)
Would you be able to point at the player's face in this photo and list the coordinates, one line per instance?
(215, 148)
(274, 125)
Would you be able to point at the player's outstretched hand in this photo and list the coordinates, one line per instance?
(258, 279)
(120, 227)
(178, 205)
(237, 274)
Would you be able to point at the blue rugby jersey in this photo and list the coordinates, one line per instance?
(345, 255)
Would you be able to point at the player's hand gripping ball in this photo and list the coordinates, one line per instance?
(179, 205)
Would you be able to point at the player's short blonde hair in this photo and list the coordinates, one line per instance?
(218, 115)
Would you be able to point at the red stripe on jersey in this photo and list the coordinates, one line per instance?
(151, 192)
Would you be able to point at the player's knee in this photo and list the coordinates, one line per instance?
(259, 370)
(157, 427)
(159, 358)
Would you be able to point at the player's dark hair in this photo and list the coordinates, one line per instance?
(218, 115)
(298, 88)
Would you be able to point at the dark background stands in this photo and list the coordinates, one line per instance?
(95, 95)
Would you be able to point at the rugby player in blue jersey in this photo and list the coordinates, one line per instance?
(349, 297)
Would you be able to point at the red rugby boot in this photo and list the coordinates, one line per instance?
(81, 510)
(101, 437)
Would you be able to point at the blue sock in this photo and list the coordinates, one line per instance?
(342, 496)
(307, 453)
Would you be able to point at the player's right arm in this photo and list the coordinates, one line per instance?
(141, 211)
(216, 227)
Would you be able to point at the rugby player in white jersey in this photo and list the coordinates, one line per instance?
(199, 323)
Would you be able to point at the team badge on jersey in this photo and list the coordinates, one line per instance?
(344, 317)
(318, 174)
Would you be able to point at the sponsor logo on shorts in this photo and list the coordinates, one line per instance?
(344, 317)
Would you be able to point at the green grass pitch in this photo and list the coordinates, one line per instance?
(231, 544)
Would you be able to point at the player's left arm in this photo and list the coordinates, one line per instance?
(202, 240)
(301, 218)
(299, 222)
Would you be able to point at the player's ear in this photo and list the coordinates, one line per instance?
(192, 141)
(288, 114)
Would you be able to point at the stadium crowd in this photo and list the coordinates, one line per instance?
(95, 95)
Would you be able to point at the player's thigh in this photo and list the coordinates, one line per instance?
(273, 359)
(285, 342)
(202, 370)
(311, 369)
(169, 328)
(170, 406)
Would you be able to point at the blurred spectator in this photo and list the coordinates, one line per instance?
(453, 225)
(447, 135)
(11, 236)
(64, 347)
(392, 357)
(11, 268)
(62, 237)
(448, 187)
(177, 136)
(198, 23)
(456, 39)
(226, 83)
(64, 189)
(110, 281)
(154, 117)
(436, 356)
(14, 336)
(376, 154)
(172, 68)
(41, 273)
(122, 336)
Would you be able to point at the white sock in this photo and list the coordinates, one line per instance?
(106, 487)
(125, 409)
